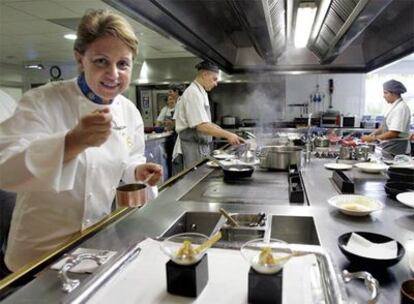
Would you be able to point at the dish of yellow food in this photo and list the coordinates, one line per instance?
(356, 205)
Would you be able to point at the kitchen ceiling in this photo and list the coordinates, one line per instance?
(32, 32)
(255, 36)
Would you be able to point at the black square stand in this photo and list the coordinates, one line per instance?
(265, 288)
(187, 281)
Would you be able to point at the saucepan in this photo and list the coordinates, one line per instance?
(133, 195)
(280, 157)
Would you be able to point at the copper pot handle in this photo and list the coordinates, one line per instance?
(370, 282)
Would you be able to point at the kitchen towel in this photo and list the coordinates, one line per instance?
(85, 266)
(361, 246)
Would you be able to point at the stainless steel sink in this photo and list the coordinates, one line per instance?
(201, 222)
(241, 235)
(249, 219)
(294, 229)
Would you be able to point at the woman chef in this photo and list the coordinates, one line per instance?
(69, 143)
(394, 132)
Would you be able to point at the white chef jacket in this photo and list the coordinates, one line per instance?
(165, 112)
(192, 110)
(56, 199)
(397, 118)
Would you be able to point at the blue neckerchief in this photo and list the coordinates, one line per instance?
(86, 90)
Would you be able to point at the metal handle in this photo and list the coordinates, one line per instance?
(370, 282)
(69, 284)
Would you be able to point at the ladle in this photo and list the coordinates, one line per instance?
(232, 221)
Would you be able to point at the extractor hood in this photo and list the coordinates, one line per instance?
(256, 35)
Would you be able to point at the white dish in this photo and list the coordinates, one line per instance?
(407, 198)
(371, 167)
(224, 156)
(213, 164)
(356, 205)
(337, 166)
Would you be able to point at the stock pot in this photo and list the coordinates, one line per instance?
(280, 157)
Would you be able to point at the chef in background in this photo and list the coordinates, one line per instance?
(69, 143)
(193, 118)
(166, 115)
(394, 132)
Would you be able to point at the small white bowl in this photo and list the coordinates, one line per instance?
(355, 205)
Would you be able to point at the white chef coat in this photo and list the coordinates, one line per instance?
(7, 106)
(165, 113)
(192, 110)
(56, 200)
(397, 118)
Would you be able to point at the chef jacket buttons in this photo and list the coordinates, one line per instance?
(90, 196)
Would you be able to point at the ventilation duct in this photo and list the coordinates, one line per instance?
(334, 18)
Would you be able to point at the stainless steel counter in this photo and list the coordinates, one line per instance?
(153, 219)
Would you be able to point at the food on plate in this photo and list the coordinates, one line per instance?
(186, 251)
(266, 257)
(355, 207)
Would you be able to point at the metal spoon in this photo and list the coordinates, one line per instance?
(116, 127)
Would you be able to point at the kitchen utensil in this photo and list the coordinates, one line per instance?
(401, 174)
(371, 167)
(131, 195)
(356, 205)
(320, 141)
(253, 252)
(280, 157)
(345, 152)
(260, 220)
(337, 166)
(367, 261)
(228, 121)
(393, 188)
(407, 198)
(407, 292)
(117, 127)
(232, 221)
(172, 245)
(208, 243)
(237, 171)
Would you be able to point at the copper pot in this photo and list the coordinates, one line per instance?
(132, 195)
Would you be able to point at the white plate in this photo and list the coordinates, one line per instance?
(407, 198)
(224, 156)
(337, 166)
(356, 205)
(371, 167)
(212, 164)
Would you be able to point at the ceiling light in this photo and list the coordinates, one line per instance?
(304, 20)
(71, 36)
(34, 66)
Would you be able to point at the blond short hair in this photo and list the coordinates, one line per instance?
(100, 23)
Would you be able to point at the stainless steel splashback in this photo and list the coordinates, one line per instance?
(256, 35)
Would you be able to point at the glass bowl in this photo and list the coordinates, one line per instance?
(266, 257)
(173, 247)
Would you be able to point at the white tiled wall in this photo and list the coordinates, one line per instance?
(348, 95)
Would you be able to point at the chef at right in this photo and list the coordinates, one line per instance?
(393, 135)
